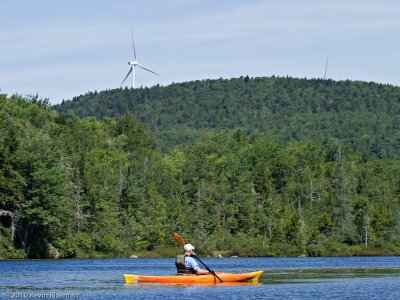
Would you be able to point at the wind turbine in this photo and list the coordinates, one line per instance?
(133, 63)
(326, 66)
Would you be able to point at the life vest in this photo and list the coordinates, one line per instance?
(181, 267)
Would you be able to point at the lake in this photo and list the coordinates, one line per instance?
(283, 278)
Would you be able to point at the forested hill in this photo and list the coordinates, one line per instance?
(365, 116)
(72, 187)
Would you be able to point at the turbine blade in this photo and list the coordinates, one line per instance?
(133, 44)
(143, 67)
(130, 71)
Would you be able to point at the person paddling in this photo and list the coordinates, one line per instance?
(186, 264)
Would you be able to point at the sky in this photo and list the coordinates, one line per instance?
(62, 49)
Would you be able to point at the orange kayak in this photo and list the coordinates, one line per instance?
(193, 278)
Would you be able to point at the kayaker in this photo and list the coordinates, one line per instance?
(185, 264)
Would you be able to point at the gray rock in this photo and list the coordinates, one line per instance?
(53, 252)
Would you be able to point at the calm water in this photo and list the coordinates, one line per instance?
(283, 278)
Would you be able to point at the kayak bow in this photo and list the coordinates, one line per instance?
(193, 278)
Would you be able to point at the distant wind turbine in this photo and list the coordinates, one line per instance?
(326, 66)
(133, 63)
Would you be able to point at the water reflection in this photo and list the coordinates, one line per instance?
(152, 285)
(291, 276)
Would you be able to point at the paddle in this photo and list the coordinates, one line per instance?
(181, 243)
(179, 240)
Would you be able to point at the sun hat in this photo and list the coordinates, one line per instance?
(188, 247)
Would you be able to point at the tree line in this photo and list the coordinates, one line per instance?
(83, 187)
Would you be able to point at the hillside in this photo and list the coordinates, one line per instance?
(72, 187)
(363, 115)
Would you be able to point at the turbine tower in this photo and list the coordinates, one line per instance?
(133, 63)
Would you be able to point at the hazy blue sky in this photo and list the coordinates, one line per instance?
(61, 49)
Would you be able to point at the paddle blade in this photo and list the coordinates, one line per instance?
(178, 239)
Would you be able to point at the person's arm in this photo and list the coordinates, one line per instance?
(201, 272)
(195, 266)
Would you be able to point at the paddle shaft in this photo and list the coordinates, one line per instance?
(208, 269)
